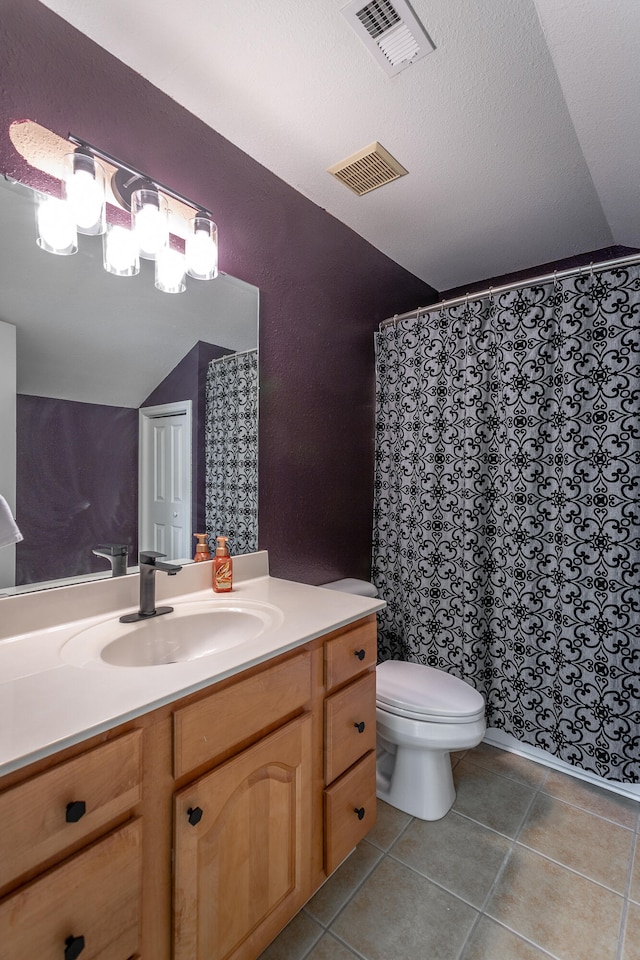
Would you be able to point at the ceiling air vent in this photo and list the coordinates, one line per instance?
(391, 32)
(369, 168)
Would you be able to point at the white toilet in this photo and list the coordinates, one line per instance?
(422, 714)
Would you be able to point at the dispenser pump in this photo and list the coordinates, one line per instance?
(222, 550)
(222, 567)
(202, 548)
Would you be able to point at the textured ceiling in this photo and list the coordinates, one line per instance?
(520, 131)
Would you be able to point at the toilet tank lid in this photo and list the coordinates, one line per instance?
(419, 689)
(361, 587)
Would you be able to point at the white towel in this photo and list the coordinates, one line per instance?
(9, 532)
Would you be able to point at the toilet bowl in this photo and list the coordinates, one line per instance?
(422, 714)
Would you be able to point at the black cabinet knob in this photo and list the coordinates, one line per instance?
(195, 815)
(75, 811)
(360, 654)
(359, 811)
(359, 726)
(73, 947)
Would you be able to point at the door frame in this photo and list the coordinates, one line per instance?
(146, 416)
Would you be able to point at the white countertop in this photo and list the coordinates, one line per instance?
(47, 704)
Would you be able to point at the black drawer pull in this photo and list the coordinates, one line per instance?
(195, 815)
(359, 726)
(359, 811)
(360, 654)
(73, 947)
(75, 811)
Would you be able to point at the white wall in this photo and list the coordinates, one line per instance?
(8, 440)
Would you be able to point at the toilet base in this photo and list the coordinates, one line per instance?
(419, 782)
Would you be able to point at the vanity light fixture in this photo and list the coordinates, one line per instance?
(136, 216)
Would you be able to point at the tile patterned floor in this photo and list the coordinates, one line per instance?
(529, 864)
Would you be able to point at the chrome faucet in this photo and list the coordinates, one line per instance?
(117, 554)
(149, 563)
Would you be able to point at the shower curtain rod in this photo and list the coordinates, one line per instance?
(491, 291)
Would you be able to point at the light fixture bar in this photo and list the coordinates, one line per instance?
(118, 164)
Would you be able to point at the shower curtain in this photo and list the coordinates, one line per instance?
(231, 451)
(507, 509)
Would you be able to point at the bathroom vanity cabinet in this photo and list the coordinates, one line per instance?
(197, 830)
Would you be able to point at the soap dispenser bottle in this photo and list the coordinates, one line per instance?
(222, 567)
(202, 549)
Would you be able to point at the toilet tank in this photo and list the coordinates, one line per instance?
(360, 587)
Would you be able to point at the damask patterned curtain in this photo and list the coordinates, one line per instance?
(231, 451)
(507, 509)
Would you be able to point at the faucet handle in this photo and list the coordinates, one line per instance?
(150, 556)
(111, 549)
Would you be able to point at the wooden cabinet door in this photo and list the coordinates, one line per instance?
(242, 848)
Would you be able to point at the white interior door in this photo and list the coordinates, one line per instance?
(165, 480)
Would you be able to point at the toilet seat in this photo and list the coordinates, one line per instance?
(423, 693)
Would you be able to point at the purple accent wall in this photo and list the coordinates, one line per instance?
(187, 381)
(77, 485)
(323, 289)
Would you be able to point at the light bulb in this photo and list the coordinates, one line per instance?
(149, 212)
(85, 198)
(170, 269)
(120, 251)
(84, 181)
(56, 227)
(202, 249)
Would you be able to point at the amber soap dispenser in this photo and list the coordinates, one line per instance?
(202, 550)
(222, 567)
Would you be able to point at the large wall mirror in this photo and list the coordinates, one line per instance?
(97, 356)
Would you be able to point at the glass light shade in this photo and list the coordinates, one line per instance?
(84, 186)
(170, 271)
(56, 227)
(202, 248)
(120, 251)
(150, 222)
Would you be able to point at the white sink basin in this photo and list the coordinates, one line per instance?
(191, 631)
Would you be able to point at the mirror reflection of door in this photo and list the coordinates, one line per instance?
(165, 479)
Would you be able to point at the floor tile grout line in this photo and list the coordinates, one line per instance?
(356, 889)
(592, 813)
(505, 776)
(577, 873)
(622, 929)
(436, 883)
(635, 852)
(540, 788)
(521, 936)
(348, 946)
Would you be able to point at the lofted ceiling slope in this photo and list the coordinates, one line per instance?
(520, 131)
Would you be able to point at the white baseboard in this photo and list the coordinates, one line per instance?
(498, 738)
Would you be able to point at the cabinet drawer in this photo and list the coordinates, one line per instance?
(209, 728)
(350, 725)
(350, 654)
(349, 811)
(33, 815)
(95, 895)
